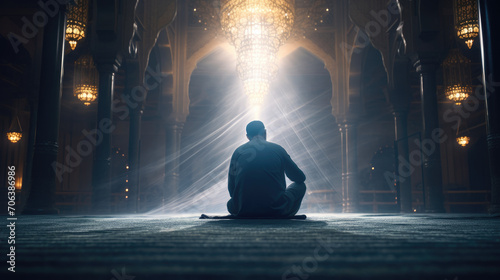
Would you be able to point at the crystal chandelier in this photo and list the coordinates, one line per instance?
(257, 28)
(466, 20)
(76, 22)
(463, 140)
(457, 77)
(15, 132)
(85, 80)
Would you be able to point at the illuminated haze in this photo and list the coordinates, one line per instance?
(297, 115)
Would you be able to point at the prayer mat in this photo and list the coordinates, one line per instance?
(229, 217)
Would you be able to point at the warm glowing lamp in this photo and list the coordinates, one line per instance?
(257, 28)
(466, 20)
(14, 137)
(15, 132)
(463, 140)
(86, 80)
(457, 77)
(76, 22)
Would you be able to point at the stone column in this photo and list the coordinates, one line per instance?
(29, 154)
(134, 150)
(41, 198)
(403, 179)
(135, 94)
(101, 187)
(490, 44)
(172, 156)
(350, 187)
(433, 181)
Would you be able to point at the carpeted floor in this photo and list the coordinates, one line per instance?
(330, 246)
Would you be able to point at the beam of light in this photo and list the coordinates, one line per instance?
(296, 117)
(299, 121)
(256, 111)
(257, 29)
(307, 147)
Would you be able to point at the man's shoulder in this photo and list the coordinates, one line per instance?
(241, 149)
(242, 146)
(259, 145)
(275, 146)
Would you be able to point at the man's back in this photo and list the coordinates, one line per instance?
(257, 178)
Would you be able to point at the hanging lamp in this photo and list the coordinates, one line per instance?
(76, 22)
(457, 77)
(466, 20)
(85, 80)
(15, 132)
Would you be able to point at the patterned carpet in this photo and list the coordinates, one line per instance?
(329, 246)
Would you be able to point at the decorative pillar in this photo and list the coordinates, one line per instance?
(403, 181)
(134, 150)
(173, 153)
(134, 101)
(101, 187)
(433, 182)
(41, 198)
(29, 154)
(180, 103)
(349, 148)
(490, 44)
(399, 96)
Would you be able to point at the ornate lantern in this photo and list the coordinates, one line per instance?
(466, 20)
(15, 132)
(457, 77)
(76, 23)
(86, 79)
(257, 28)
(463, 140)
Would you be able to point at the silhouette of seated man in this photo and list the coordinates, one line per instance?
(256, 180)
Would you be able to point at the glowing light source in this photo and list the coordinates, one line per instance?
(14, 137)
(463, 140)
(257, 28)
(76, 22)
(86, 80)
(15, 132)
(457, 77)
(19, 183)
(466, 20)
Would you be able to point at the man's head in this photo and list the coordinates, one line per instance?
(256, 128)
